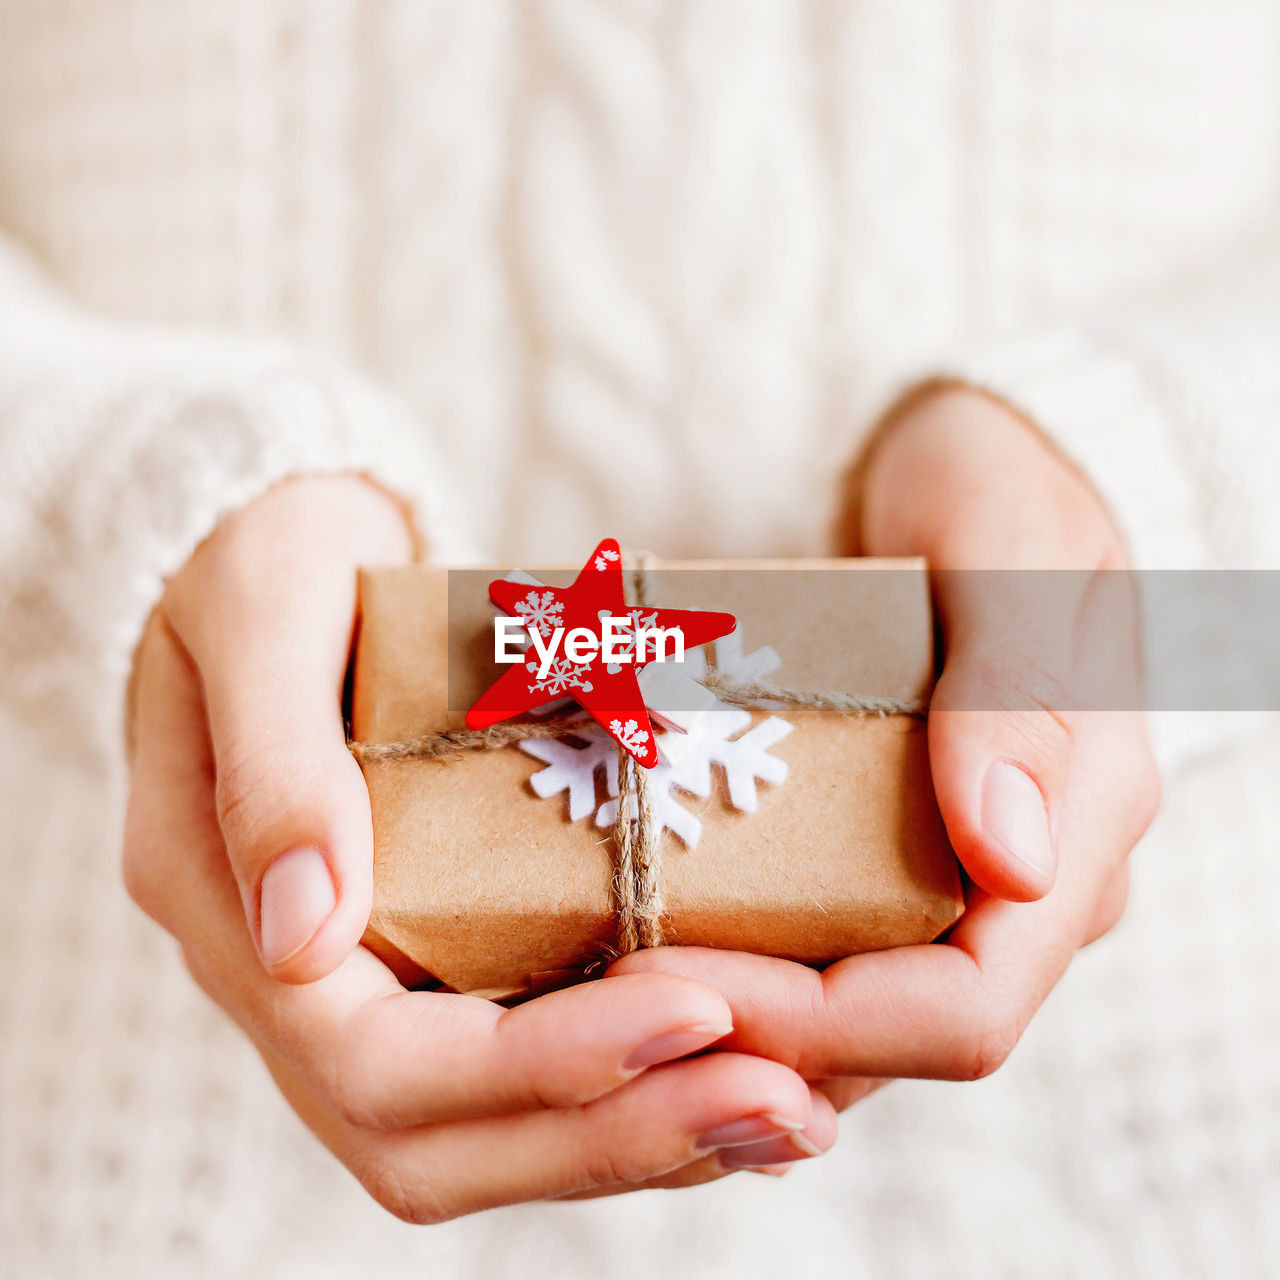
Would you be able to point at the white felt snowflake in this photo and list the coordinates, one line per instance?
(573, 769)
(605, 558)
(541, 612)
(744, 758)
(562, 675)
(731, 661)
(755, 665)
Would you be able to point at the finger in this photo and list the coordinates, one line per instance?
(694, 1174)
(381, 1055)
(655, 1125)
(411, 1058)
(266, 611)
(953, 1011)
(927, 1011)
(819, 1133)
(950, 1011)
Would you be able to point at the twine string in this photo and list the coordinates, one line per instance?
(638, 873)
(751, 693)
(453, 744)
(637, 850)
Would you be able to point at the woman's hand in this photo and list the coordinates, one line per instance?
(1040, 760)
(248, 837)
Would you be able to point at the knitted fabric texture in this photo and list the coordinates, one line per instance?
(648, 269)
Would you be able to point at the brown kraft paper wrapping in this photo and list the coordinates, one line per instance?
(483, 887)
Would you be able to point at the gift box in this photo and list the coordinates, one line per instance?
(794, 831)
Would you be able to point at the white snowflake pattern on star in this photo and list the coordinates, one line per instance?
(561, 676)
(541, 612)
(605, 559)
(624, 645)
(631, 735)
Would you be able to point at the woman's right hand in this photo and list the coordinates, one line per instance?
(248, 837)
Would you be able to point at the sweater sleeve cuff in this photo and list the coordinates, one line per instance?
(1106, 412)
(156, 455)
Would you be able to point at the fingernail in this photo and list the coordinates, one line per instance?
(672, 1045)
(297, 898)
(782, 1150)
(750, 1129)
(1014, 815)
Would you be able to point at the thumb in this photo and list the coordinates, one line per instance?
(266, 610)
(1037, 627)
(1000, 731)
(294, 813)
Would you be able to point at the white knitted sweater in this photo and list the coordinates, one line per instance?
(642, 270)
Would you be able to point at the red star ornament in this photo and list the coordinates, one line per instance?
(608, 691)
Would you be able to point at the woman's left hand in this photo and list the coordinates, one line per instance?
(1045, 780)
